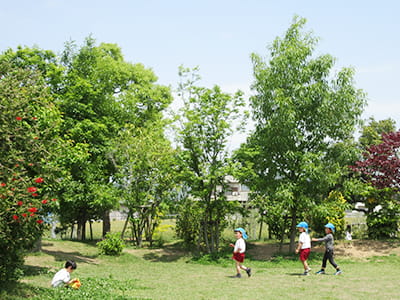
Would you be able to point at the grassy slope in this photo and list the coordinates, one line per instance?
(170, 274)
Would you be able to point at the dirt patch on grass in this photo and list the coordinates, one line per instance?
(353, 249)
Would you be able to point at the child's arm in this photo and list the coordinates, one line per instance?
(299, 247)
(325, 238)
(72, 281)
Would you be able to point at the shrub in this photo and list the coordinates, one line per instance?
(25, 153)
(111, 245)
(383, 223)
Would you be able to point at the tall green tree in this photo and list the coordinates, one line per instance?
(146, 176)
(101, 93)
(303, 116)
(206, 121)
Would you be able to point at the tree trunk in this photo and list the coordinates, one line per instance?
(81, 232)
(217, 235)
(106, 223)
(91, 230)
(72, 231)
(205, 235)
(260, 232)
(212, 236)
(281, 238)
(126, 224)
(292, 231)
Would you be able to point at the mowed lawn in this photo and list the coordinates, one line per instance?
(170, 273)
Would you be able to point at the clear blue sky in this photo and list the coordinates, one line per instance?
(220, 35)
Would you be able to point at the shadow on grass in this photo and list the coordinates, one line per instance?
(34, 270)
(166, 254)
(19, 290)
(75, 256)
(296, 274)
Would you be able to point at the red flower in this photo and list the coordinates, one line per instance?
(30, 164)
(15, 217)
(32, 209)
(36, 138)
(32, 189)
(19, 203)
(24, 215)
(3, 184)
(44, 201)
(34, 118)
(40, 221)
(54, 199)
(32, 214)
(35, 195)
(16, 165)
(18, 118)
(39, 180)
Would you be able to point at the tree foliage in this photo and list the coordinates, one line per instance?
(101, 94)
(380, 170)
(146, 172)
(381, 163)
(371, 134)
(304, 115)
(206, 121)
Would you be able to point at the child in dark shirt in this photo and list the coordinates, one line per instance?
(328, 239)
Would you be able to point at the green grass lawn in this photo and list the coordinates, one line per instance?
(170, 273)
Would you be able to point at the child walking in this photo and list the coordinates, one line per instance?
(238, 251)
(328, 239)
(304, 246)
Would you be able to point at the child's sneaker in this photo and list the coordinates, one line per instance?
(248, 271)
(338, 272)
(320, 272)
(238, 275)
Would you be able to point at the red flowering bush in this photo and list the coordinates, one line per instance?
(25, 164)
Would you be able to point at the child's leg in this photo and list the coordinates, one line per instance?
(324, 260)
(332, 261)
(238, 266)
(305, 265)
(248, 270)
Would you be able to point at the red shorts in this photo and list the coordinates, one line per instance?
(304, 254)
(238, 257)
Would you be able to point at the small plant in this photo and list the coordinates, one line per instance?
(111, 245)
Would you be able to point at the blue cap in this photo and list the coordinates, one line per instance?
(304, 225)
(242, 231)
(330, 226)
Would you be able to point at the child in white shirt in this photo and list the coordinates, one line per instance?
(63, 277)
(304, 246)
(239, 250)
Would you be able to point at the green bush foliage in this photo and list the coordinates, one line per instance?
(383, 223)
(26, 113)
(332, 210)
(111, 245)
